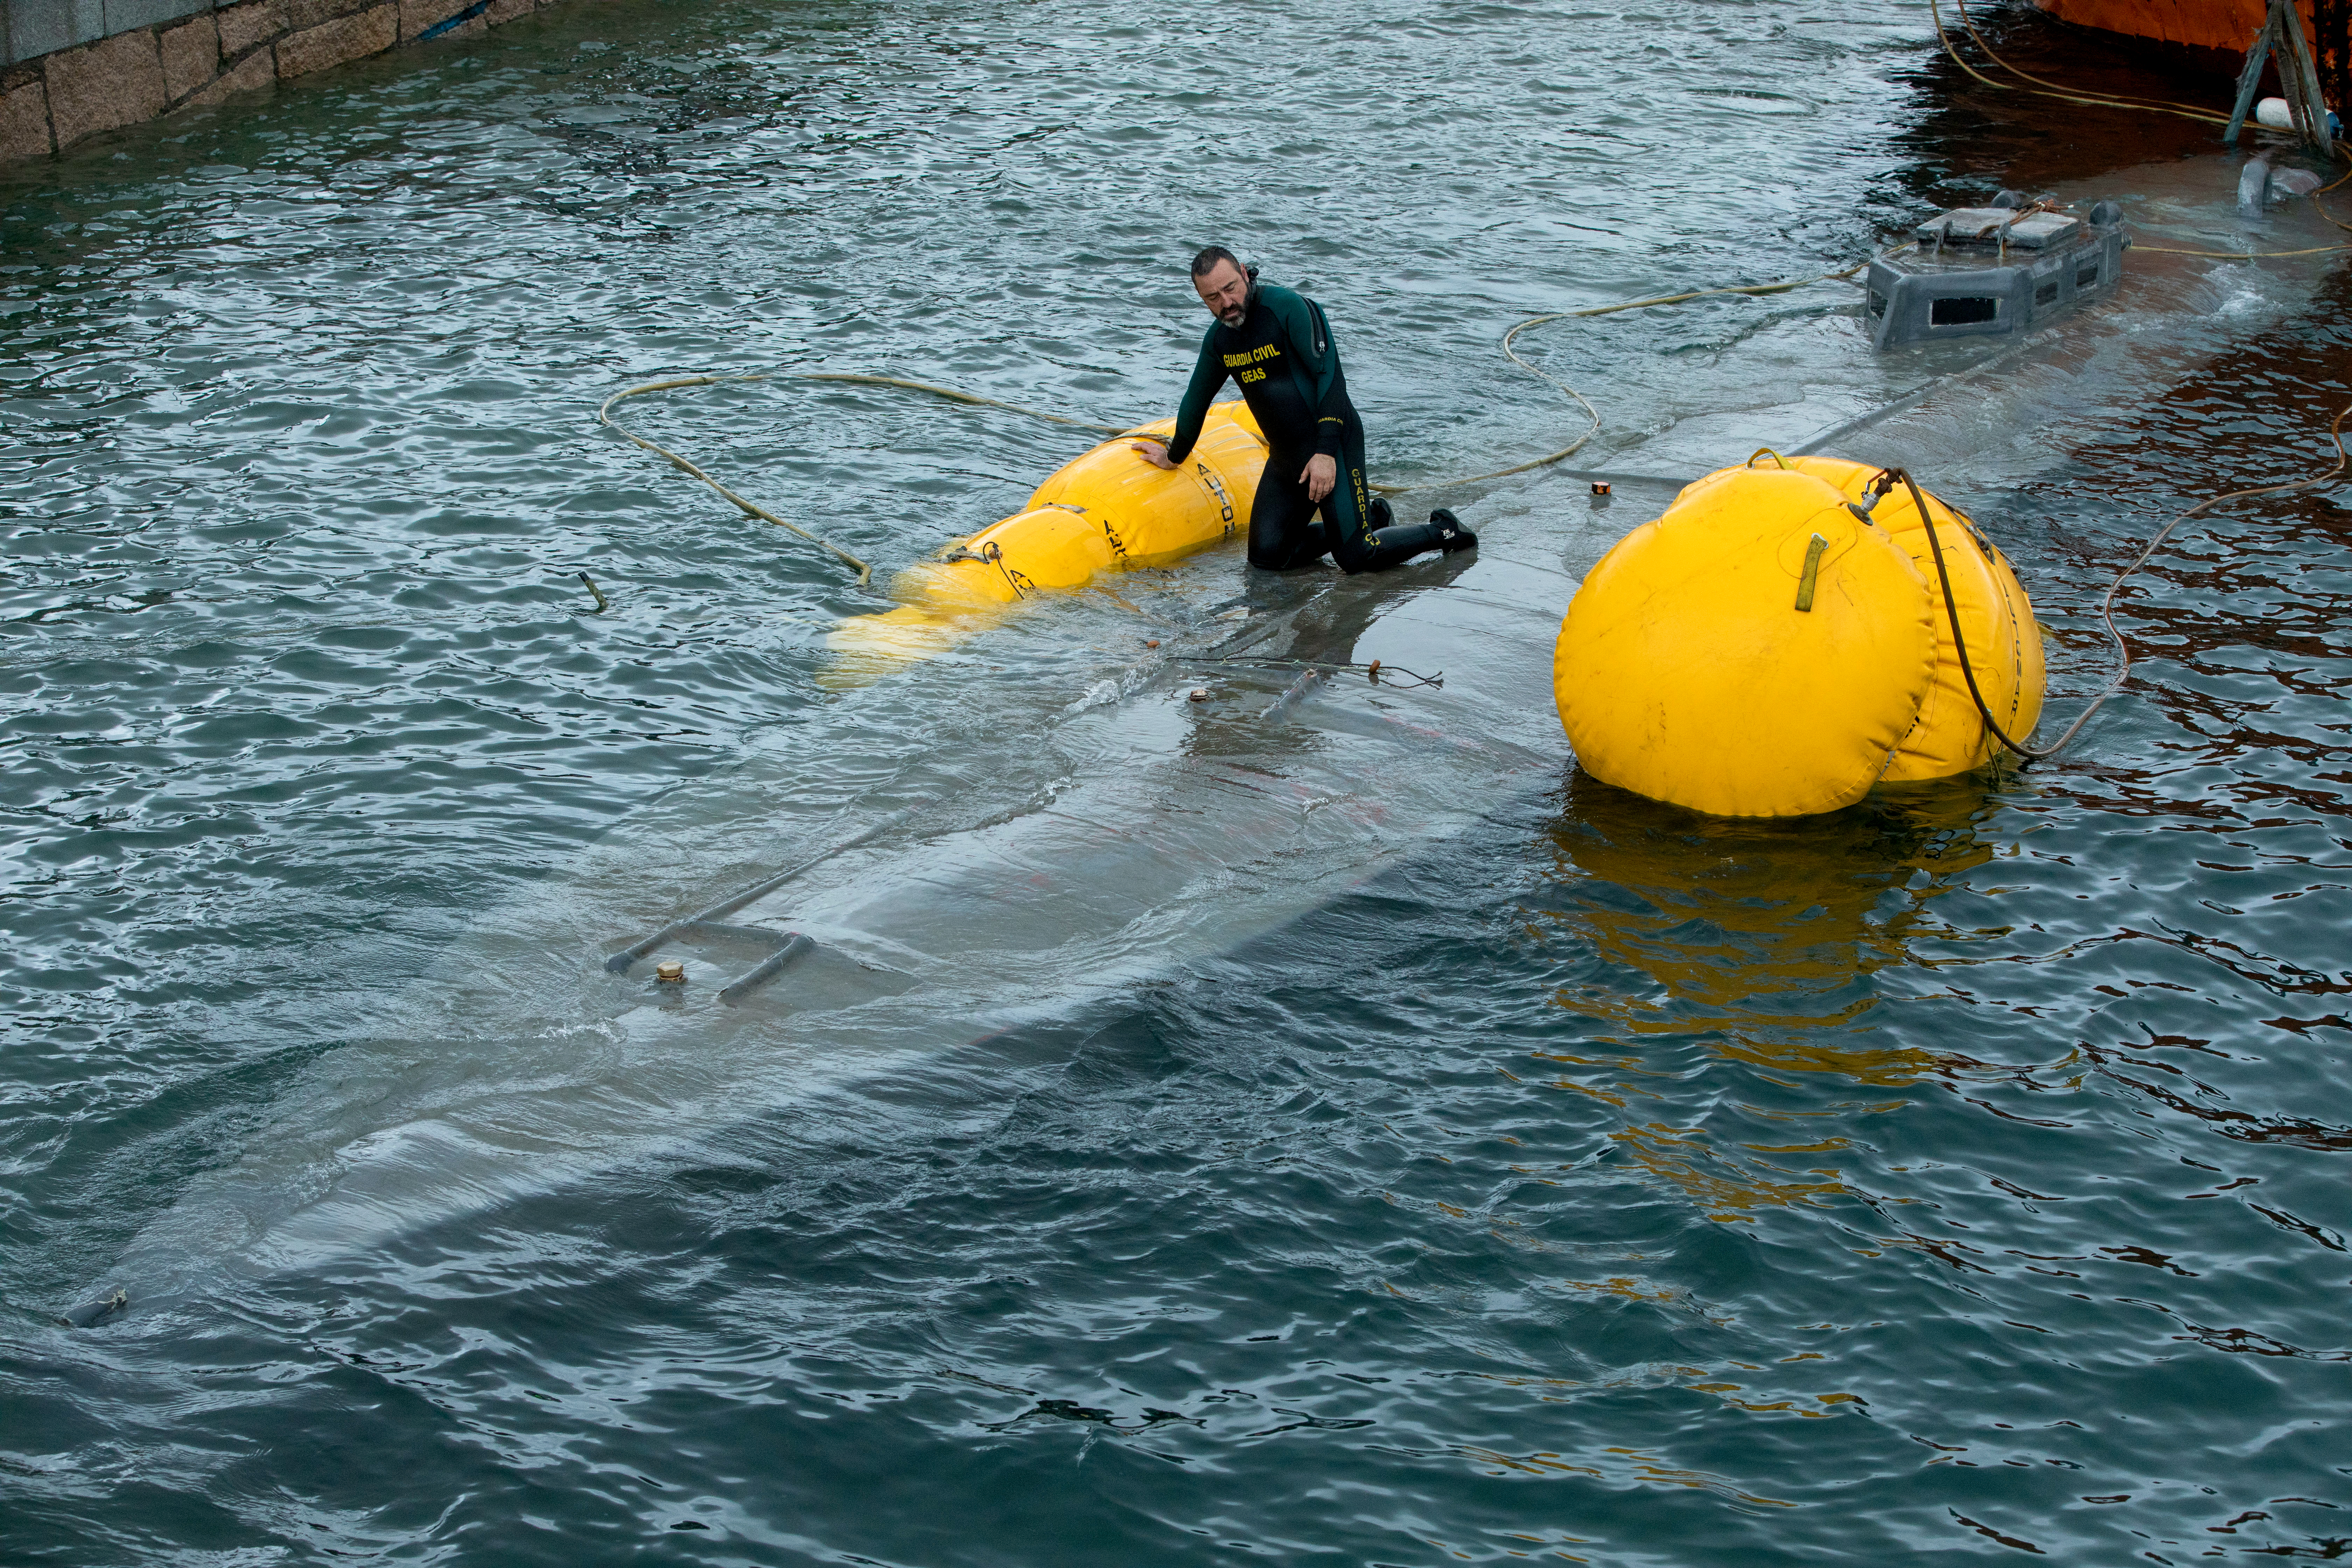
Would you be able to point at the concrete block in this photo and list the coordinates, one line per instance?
(416, 15)
(344, 38)
(255, 73)
(41, 27)
(243, 26)
(117, 81)
(191, 56)
(25, 120)
(122, 16)
(303, 14)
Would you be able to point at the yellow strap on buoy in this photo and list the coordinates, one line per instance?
(1812, 574)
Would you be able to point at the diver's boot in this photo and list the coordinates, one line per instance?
(1452, 536)
(1396, 545)
(1401, 541)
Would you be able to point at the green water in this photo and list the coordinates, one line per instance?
(1345, 1134)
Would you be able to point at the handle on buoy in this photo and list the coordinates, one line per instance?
(1812, 573)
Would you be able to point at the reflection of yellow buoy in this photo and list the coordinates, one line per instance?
(1760, 651)
(1107, 511)
(1756, 940)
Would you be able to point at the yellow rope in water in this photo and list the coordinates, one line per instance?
(2242, 255)
(2107, 600)
(2162, 106)
(1593, 414)
(753, 509)
(953, 395)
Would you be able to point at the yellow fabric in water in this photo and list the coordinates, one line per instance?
(1686, 672)
(1105, 510)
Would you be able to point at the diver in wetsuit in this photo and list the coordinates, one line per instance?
(1278, 346)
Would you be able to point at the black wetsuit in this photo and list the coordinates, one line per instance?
(1288, 369)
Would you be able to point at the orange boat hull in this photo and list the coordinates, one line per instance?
(2226, 24)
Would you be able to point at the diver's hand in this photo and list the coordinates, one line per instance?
(1320, 476)
(1153, 453)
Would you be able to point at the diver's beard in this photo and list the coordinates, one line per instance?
(1239, 314)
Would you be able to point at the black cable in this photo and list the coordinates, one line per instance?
(1888, 479)
(1952, 612)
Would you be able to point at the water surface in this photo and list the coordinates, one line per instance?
(1349, 1135)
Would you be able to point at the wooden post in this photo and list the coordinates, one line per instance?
(2282, 38)
(2299, 74)
(2250, 78)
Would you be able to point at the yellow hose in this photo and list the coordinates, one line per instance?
(753, 509)
(2107, 599)
(1508, 352)
(951, 393)
(2242, 255)
(2161, 106)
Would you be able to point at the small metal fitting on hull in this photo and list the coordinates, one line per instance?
(784, 948)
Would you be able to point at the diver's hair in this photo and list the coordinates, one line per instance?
(1206, 262)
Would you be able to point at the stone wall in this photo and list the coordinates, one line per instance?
(71, 68)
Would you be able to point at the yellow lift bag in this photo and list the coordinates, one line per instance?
(1759, 650)
(1105, 510)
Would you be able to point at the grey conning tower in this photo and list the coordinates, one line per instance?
(1993, 269)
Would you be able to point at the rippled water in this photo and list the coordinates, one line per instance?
(1338, 1134)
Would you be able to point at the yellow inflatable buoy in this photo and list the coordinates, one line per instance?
(1759, 650)
(1105, 510)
